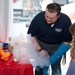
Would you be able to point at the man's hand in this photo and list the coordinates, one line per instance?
(43, 53)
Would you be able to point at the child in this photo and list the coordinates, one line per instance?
(71, 69)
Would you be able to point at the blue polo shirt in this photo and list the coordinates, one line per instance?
(50, 34)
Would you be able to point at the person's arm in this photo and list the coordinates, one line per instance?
(36, 43)
(38, 48)
(64, 47)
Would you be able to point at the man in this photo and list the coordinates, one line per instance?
(49, 29)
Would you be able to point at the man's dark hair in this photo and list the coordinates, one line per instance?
(54, 7)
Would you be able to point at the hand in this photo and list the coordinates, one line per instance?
(43, 53)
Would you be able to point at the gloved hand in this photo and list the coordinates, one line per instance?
(59, 52)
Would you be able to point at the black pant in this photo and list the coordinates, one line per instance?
(56, 68)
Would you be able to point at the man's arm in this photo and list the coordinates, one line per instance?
(36, 43)
(38, 48)
(64, 47)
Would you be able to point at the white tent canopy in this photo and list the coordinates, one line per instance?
(44, 4)
(69, 9)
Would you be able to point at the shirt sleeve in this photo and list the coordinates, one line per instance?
(33, 28)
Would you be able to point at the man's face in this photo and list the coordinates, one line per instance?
(50, 17)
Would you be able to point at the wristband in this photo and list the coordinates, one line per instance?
(40, 49)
